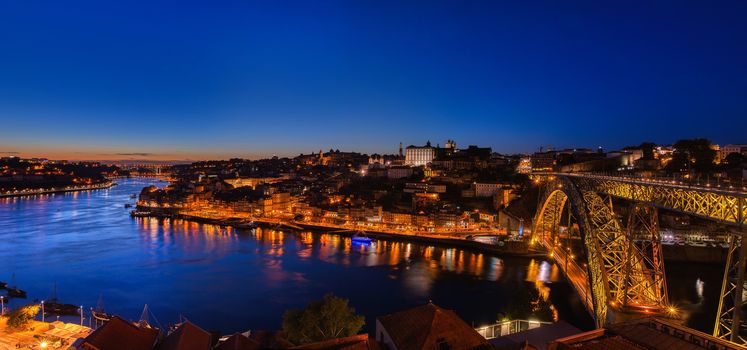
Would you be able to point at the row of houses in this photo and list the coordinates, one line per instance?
(424, 327)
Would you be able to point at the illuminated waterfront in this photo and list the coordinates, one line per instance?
(232, 280)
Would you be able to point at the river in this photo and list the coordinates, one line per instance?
(231, 280)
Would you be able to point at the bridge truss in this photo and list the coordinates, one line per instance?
(613, 270)
(641, 283)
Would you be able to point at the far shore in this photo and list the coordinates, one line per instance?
(39, 191)
(510, 248)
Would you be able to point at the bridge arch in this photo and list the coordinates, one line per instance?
(611, 272)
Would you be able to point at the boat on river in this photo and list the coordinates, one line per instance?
(101, 316)
(54, 307)
(128, 205)
(98, 315)
(14, 291)
(247, 225)
(361, 238)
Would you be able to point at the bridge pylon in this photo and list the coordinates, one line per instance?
(647, 286)
(730, 318)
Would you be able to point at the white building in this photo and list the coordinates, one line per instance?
(729, 149)
(419, 156)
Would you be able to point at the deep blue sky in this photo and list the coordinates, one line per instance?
(179, 79)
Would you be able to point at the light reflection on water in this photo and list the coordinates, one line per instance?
(235, 279)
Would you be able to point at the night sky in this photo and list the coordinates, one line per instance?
(218, 79)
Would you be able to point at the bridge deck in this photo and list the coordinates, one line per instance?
(726, 205)
(739, 191)
(574, 273)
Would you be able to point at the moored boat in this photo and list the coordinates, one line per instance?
(361, 238)
(247, 225)
(54, 307)
(14, 292)
(99, 316)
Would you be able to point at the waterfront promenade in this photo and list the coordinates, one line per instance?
(492, 241)
(38, 191)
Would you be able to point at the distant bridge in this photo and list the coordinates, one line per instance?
(618, 269)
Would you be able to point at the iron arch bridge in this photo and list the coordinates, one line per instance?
(616, 265)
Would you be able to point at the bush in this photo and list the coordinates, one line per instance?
(22, 316)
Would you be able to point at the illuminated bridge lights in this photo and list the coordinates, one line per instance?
(628, 276)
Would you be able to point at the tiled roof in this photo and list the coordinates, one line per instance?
(270, 340)
(644, 334)
(651, 338)
(356, 342)
(425, 326)
(187, 337)
(238, 342)
(610, 343)
(118, 334)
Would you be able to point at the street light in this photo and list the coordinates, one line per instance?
(42, 305)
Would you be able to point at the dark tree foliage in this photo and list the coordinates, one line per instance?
(692, 155)
(734, 161)
(324, 319)
(527, 303)
(646, 147)
(22, 316)
(648, 150)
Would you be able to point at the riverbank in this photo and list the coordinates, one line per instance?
(39, 191)
(503, 247)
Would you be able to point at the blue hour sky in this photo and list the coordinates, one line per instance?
(217, 79)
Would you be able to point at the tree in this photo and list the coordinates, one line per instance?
(647, 148)
(20, 317)
(527, 303)
(734, 160)
(695, 154)
(324, 319)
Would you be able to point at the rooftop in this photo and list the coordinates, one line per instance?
(426, 326)
(118, 334)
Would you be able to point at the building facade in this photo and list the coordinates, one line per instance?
(729, 149)
(420, 155)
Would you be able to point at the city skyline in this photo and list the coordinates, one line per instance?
(98, 80)
(373, 174)
(204, 156)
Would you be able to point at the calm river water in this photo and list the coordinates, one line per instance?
(233, 280)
